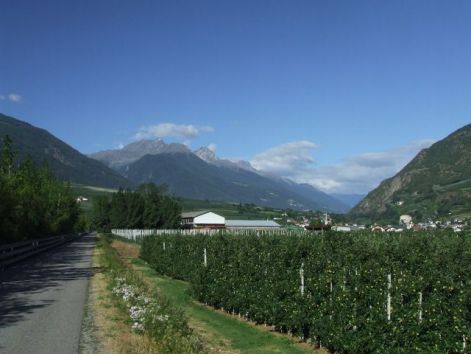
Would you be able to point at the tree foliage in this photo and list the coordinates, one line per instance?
(32, 203)
(148, 207)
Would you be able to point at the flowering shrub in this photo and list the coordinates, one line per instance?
(137, 304)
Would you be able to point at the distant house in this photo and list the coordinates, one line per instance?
(377, 228)
(82, 199)
(341, 228)
(202, 220)
(390, 228)
(406, 220)
(252, 225)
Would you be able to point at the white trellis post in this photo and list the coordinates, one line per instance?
(301, 275)
(388, 305)
(331, 290)
(163, 245)
(420, 306)
(355, 299)
(205, 258)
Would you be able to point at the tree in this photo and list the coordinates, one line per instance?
(147, 207)
(135, 211)
(6, 164)
(170, 213)
(118, 210)
(33, 203)
(152, 195)
(101, 214)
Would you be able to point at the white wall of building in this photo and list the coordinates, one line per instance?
(210, 218)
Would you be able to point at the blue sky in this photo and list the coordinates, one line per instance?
(340, 94)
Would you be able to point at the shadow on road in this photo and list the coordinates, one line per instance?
(23, 287)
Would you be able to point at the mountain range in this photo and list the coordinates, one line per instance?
(436, 183)
(201, 174)
(196, 174)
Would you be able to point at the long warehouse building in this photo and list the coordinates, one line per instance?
(209, 220)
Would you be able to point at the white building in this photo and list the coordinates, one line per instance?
(341, 228)
(202, 220)
(406, 220)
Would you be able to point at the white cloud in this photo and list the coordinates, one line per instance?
(357, 174)
(164, 130)
(212, 147)
(285, 159)
(12, 97)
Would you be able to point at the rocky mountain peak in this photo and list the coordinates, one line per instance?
(135, 150)
(206, 154)
(149, 146)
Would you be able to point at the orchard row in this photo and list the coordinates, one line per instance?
(351, 293)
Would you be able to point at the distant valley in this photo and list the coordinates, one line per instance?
(436, 183)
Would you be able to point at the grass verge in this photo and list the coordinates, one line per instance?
(133, 317)
(105, 328)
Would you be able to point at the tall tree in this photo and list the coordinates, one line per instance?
(101, 213)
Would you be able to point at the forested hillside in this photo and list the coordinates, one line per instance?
(437, 182)
(65, 163)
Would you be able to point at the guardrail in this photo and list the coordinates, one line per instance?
(14, 252)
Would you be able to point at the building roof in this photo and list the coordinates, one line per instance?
(251, 223)
(194, 214)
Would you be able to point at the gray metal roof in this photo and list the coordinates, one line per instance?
(251, 223)
(193, 214)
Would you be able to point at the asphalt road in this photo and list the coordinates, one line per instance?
(42, 300)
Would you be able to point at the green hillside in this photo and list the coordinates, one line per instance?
(435, 184)
(64, 162)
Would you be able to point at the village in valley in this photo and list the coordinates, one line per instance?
(313, 221)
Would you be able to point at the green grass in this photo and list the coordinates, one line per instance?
(220, 329)
(90, 191)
